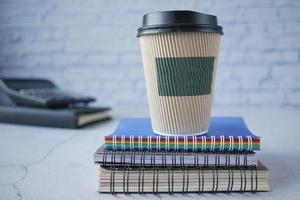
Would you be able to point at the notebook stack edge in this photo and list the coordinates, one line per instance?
(145, 158)
(183, 180)
(136, 160)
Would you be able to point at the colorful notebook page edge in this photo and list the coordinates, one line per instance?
(157, 144)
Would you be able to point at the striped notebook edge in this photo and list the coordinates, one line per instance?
(179, 143)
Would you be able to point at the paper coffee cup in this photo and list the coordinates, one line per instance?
(180, 51)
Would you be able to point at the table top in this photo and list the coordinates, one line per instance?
(53, 163)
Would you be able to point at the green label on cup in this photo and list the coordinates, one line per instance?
(184, 76)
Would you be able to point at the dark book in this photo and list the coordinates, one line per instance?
(73, 117)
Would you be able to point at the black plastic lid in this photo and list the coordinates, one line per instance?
(179, 20)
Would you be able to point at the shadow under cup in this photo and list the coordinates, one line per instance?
(180, 69)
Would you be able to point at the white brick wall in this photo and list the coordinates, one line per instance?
(90, 47)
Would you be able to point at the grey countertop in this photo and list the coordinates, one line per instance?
(52, 163)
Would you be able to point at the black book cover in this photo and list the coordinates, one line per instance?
(63, 117)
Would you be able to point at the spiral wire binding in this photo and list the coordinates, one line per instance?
(185, 169)
(123, 158)
(164, 158)
(232, 180)
(104, 157)
(226, 159)
(206, 160)
(222, 143)
(185, 176)
(237, 160)
(126, 171)
(112, 179)
(228, 156)
(182, 160)
(153, 159)
(201, 180)
(185, 179)
(176, 159)
(123, 144)
(245, 181)
(155, 180)
(143, 159)
(231, 143)
(173, 160)
(170, 182)
(241, 174)
(251, 171)
(213, 186)
(188, 179)
(112, 172)
(196, 160)
(185, 143)
(229, 180)
(217, 160)
(141, 180)
(245, 160)
(132, 158)
(158, 144)
(241, 179)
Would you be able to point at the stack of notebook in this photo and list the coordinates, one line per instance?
(136, 160)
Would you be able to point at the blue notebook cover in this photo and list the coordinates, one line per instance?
(225, 133)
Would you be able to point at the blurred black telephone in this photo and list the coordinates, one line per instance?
(40, 93)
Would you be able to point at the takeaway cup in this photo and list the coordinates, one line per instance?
(179, 53)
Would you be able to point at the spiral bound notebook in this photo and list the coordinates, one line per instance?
(173, 158)
(171, 180)
(224, 134)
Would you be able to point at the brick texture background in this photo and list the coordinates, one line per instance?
(89, 46)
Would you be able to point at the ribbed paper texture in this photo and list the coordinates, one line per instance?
(178, 114)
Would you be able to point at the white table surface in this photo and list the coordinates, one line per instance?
(51, 163)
